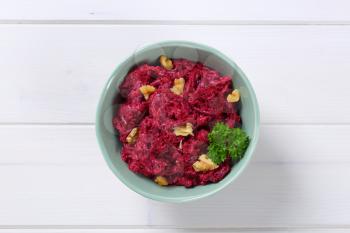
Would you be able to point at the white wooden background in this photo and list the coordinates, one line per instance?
(55, 57)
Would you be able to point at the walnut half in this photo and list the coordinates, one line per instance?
(161, 180)
(131, 138)
(184, 130)
(233, 97)
(147, 90)
(204, 164)
(166, 62)
(178, 87)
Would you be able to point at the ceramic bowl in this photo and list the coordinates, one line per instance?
(108, 139)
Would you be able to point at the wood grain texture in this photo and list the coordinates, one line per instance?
(53, 175)
(157, 10)
(55, 73)
(162, 230)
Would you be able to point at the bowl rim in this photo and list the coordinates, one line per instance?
(227, 180)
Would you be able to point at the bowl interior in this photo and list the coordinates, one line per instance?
(107, 136)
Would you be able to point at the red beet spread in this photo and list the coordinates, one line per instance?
(156, 151)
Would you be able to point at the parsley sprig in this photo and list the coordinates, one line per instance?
(224, 141)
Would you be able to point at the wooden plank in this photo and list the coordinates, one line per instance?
(295, 144)
(55, 175)
(161, 230)
(235, 11)
(271, 196)
(55, 74)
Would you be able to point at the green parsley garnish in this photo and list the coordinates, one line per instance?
(224, 141)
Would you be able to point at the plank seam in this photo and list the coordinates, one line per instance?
(155, 227)
(184, 22)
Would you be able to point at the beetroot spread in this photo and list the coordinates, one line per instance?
(157, 151)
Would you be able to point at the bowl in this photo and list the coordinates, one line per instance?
(107, 135)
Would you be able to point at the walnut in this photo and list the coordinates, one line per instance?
(233, 97)
(147, 90)
(204, 164)
(166, 62)
(131, 138)
(178, 87)
(184, 130)
(161, 180)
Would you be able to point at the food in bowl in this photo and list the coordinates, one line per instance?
(179, 123)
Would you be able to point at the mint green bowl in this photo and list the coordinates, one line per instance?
(111, 147)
